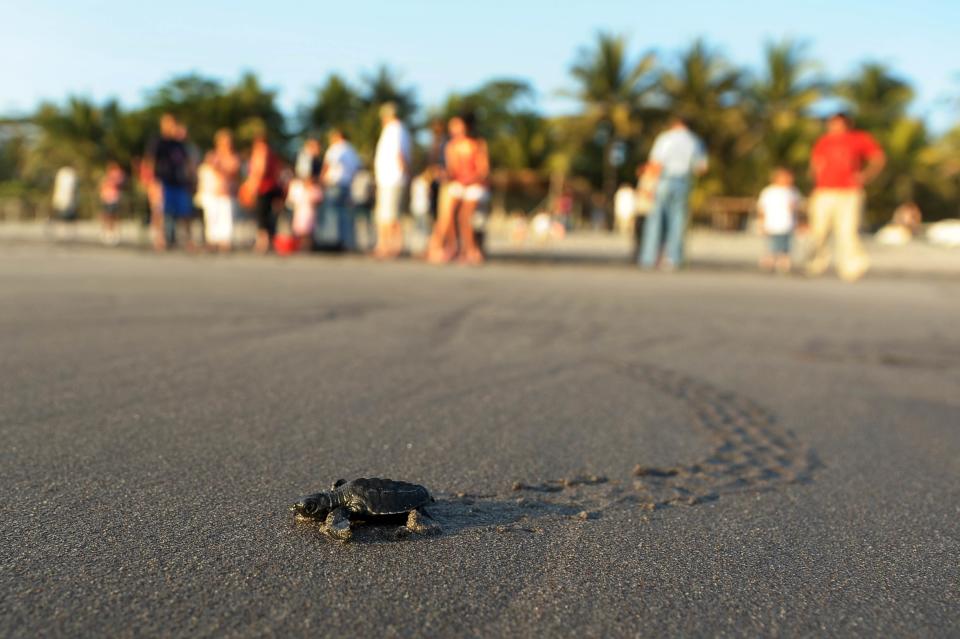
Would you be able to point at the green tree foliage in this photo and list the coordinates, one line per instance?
(205, 106)
(709, 93)
(781, 100)
(878, 97)
(879, 100)
(612, 89)
(14, 146)
(77, 133)
(336, 105)
(943, 156)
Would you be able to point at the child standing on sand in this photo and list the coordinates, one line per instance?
(777, 210)
(111, 186)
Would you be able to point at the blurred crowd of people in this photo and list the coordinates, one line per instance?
(317, 199)
(314, 200)
(288, 200)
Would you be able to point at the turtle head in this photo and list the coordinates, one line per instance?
(315, 506)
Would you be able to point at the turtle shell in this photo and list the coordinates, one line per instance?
(383, 496)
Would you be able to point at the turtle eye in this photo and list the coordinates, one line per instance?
(316, 506)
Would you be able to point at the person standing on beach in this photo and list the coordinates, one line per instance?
(304, 195)
(170, 166)
(843, 161)
(677, 156)
(65, 199)
(111, 188)
(777, 209)
(340, 165)
(223, 166)
(309, 160)
(467, 167)
(391, 167)
(263, 190)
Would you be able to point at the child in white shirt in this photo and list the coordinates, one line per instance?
(777, 210)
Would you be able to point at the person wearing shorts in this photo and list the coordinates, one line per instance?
(389, 199)
(177, 212)
(391, 170)
(777, 209)
(170, 165)
(468, 166)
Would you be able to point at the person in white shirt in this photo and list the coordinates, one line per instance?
(676, 157)
(216, 186)
(624, 207)
(391, 170)
(340, 165)
(64, 201)
(65, 193)
(777, 209)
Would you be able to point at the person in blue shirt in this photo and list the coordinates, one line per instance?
(676, 157)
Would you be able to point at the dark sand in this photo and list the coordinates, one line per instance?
(613, 453)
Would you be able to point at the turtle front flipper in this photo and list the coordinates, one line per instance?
(419, 522)
(337, 525)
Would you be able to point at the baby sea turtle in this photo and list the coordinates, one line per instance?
(367, 500)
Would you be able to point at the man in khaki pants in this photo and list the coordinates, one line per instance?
(843, 161)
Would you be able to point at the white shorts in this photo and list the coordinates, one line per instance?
(388, 203)
(218, 218)
(466, 192)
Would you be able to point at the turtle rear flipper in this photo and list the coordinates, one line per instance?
(421, 523)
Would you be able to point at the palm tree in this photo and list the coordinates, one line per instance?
(205, 106)
(336, 105)
(612, 89)
(879, 98)
(782, 97)
(708, 92)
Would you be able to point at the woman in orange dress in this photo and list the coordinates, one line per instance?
(468, 166)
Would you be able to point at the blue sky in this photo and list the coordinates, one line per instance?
(52, 48)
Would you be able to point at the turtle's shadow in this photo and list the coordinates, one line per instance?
(460, 515)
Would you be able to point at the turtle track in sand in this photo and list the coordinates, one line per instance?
(750, 453)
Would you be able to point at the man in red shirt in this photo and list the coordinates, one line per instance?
(843, 161)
